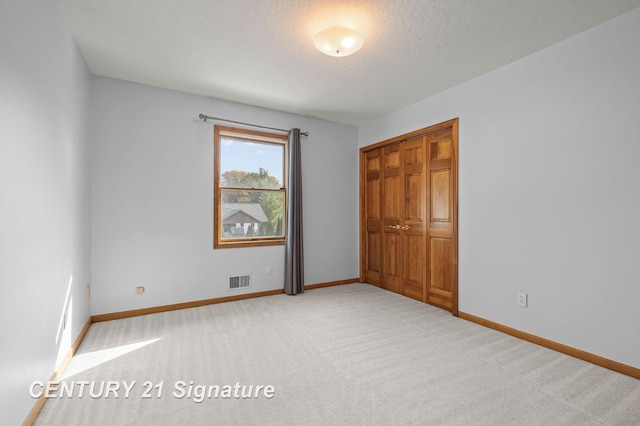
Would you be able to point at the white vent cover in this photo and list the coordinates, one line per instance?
(239, 281)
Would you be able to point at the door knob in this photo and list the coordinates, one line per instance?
(393, 226)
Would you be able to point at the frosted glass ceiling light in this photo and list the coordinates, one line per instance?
(338, 41)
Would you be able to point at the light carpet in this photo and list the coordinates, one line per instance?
(352, 354)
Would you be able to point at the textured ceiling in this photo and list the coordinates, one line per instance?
(260, 52)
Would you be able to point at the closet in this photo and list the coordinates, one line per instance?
(409, 215)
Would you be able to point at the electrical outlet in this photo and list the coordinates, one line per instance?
(269, 270)
(521, 299)
(139, 290)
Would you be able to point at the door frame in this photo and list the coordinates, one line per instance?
(453, 124)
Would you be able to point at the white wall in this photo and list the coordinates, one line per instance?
(152, 200)
(549, 189)
(44, 198)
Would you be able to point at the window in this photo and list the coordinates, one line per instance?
(249, 184)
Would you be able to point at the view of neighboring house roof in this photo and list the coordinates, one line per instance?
(243, 213)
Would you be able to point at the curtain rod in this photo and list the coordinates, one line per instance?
(207, 117)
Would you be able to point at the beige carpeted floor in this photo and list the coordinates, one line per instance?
(351, 354)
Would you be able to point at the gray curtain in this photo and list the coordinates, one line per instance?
(294, 256)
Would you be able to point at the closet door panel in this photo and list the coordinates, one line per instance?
(441, 213)
(372, 215)
(414, 270)
(441, 273)
(440, 196)
(392, 246)
(413, 223)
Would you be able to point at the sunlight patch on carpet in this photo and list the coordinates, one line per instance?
(86, 361)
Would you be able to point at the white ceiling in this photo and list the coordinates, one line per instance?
(260, 52)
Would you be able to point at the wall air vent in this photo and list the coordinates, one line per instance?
(239, 281)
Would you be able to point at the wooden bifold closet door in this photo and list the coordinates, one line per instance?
(408, 215)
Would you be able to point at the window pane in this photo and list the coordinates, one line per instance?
(252, 214)
(245, 164)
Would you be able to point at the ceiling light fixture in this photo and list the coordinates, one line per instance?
(338, 41)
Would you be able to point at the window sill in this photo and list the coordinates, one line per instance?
(248, 243)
